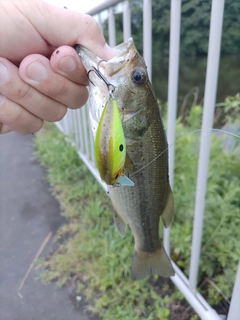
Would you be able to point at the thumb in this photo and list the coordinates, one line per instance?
(60, 26)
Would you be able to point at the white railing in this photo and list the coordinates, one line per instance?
(76, 125)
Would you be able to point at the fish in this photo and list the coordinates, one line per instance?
(140, 206)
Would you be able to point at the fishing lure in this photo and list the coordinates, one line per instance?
(110, 146)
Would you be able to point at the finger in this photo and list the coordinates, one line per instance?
(13, 117)
(15, 89)
(36, 71)
(66, 27)
(19, 36)
(65, 61)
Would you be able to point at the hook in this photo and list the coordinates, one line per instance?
(110, 86)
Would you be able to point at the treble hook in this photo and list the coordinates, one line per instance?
(98, 72)
(110, 86)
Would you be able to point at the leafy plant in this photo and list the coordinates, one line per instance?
(220, 240)
(229, 110)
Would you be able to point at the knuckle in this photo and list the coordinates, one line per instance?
(58, 91)
(90, 21)
(24, 92)
(91, 25)
(17, 116)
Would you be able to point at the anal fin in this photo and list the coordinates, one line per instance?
(120, 224)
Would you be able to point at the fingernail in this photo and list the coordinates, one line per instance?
(67, 64)
(4, 74)
(36, 71)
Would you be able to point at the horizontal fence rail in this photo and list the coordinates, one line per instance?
(76, 125)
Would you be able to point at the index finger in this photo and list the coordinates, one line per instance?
(66, 27)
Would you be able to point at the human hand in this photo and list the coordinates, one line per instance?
(32, 87)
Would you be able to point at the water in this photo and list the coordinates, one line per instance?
(192, 72)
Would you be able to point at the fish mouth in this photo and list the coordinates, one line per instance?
(125, 52)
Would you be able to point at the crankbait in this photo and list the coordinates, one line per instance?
(110, 145)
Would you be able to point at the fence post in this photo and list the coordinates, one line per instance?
(99, 20)
(175, 23)
(126, 21)
(208, 113)
(111, 28)
(147, 35)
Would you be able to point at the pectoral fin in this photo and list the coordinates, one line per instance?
(168, 212)
(120, 224)
(125, 181)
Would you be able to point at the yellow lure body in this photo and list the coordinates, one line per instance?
(110, 145)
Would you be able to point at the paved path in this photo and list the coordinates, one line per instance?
(28, 212)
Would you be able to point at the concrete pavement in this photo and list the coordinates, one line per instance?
(28, 212)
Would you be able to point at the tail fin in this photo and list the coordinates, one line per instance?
(149, 263)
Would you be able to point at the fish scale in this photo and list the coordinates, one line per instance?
(146, 164)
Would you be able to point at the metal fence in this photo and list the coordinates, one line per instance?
(77, 126)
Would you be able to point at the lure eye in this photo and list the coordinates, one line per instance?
(121, 147)
(138, 77)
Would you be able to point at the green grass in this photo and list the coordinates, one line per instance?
(92, 254)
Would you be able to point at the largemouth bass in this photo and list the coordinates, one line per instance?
(146, 163)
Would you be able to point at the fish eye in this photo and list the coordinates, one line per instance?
(116, 176)
(138, 77)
